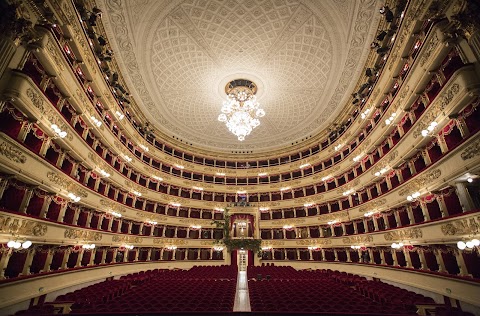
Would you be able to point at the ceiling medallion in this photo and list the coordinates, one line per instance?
(241, 111)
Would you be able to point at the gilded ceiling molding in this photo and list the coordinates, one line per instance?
(462, 227)
(170, 241)
(127, 239)
(420, 182)
(85, 235)
(357, 239)
(472, 150)
(13, 225)
(403, 234)
(312, 242)
(12, 153)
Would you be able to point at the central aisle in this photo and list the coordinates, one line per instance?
(242, 300)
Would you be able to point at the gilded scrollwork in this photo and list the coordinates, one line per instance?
(312, 242)
(357, 239)
(420, 182)
(461, 227)
(127, 239)
(403, 234)
(12, 153)
(12, 225)
(85, 235)
(472, 150)
(170, 241)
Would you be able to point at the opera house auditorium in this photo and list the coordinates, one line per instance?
(264, 157)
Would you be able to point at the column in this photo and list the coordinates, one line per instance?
(48, 260)
(174, 253)
(375, 223)
(89, 219)
(408, 259)
(298, 254)
(79, 258)
(115, 253)
(323, 255)
(385, 221)
(66, 254)
(426, 215)
(370, 254)
(161, 254)
(464, 197)
(461, 263)
(349, 259)
(46, 203)
(411, 218)
(382, 257)
(26, 200)
(344, 229)
(211, 254)
(355, 228)
(4, 262)
(441, 263)
(137, 253)
(149, 254)
(28, 261)
(310, 254)
(423, 261)
(395, 258)
(93, 252)
(397, 218)
(335, 254)
(104, 255)
(442, 205)
(199, 253)
(61, 213)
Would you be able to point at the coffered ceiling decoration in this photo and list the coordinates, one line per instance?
(304, 55)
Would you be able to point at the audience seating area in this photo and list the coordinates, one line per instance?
(211, 289)
(326, 291)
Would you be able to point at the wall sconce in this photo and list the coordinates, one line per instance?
(389, 120)
(95, 121)
(413, 196)
(58, 132)
(73, 197)
(88, 246)
(15, 244)
(427, 132)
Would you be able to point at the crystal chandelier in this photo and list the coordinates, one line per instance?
(241, 112)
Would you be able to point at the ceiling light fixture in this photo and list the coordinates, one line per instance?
(241, 111)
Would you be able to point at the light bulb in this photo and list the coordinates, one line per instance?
(11, 243)
(469, 244)
(476, 242)
(461, 245)
(17, 245)
(26, 244)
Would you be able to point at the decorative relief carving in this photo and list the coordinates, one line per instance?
(196, 222)
(67, 184)
(12, 153)
(12, 225)
(428, 50)
(357, 239)
(53, 50)
(272, 243)
(85, 235)
(127, 239)
(170, 241)
(472, 150)
(152, 217)
(435, 110)
(290, 221)
(110, 205)
(312, 242)
(340, 216)
(372, 205)
(462, 227)
(207, 243)
(420, 182)
(402, 234)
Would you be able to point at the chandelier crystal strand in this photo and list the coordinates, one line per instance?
(241, 111)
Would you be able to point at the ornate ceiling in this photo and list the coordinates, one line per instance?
(304, 55)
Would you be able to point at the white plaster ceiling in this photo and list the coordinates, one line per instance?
(177, 56)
